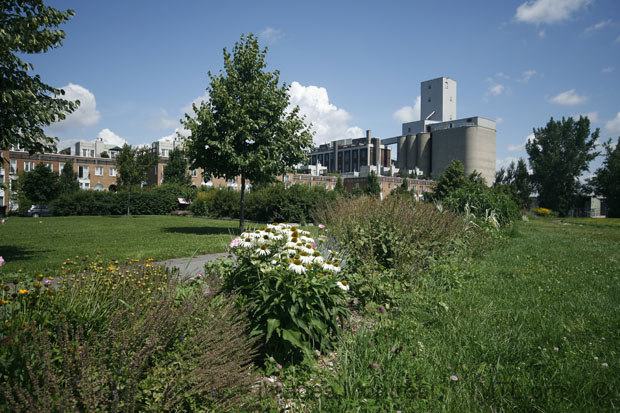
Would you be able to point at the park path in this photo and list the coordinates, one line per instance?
(190, 266)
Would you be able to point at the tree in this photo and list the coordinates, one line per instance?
(39, 185)
(515, 181)
(246, 127)
(68, 181)
(452, 178)
(339, 188)
(27, 105)
(373, 187)
(559, 154)
(133, 165)
(175, 172)
(606, 181)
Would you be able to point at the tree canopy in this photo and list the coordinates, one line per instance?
(175, 172)
(27, 105)
(68, 180)
(246, 128)
(515, 181)
(558, 154)
(453, 177)
(606, 181)
(372, 187)
(39, 185)
(133, 165)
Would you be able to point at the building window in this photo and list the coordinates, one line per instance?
(99, 170)
(429, 86)
(50, 165)
(28, 166)
(194, 172)
(60, 167)
(429, 99)
(447, 86)
(409, 130)
(83, 172)
(84, 152)
(112, 171)
(13, 167)
(92, 153)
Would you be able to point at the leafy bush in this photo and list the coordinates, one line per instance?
(122, 337)
(389, 242)
(294, 295)
(217, 202)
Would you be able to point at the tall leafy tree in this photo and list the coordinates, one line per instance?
(175, 172)
(606, 181)
(39, 185)
(27, 105)
(133, 165)
(558, 155)
(452, 178)
(68, 180)
(246, 127)
(515, 181)
(373, 187)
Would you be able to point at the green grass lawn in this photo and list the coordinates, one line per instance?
(531, 326)
(36, 244)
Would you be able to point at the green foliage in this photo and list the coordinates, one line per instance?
(515, 181)
(606, 181)
(175, 171)
(133, 165)
(293, 294)
(27, 105)
(559, 153)
(68, 180)
(39, 185)
(244, 128)
(452, 178)
(121, 336)
(217, 202)
(339, 188)
(373, 188)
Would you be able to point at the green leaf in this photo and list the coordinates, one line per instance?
(272, 323)
(293, 337)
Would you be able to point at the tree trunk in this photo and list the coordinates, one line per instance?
(242, 206)
(128, 200)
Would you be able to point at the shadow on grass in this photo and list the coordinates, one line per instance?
(11, 253)
(199, 230)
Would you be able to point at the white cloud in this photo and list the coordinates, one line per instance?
(520, 146)
(496, 89)
(328, 121)
(618, 39)
(502, 75)
(270, 34)
(542, 34)
(111, 138)
(593, 116)
(85, 115)
(595, 27)
(408, 113)
(169, 138)
(526, 76)
(197, 101)
(164, 122)
(569, 98)
(612, 127)
(607, 69)
(505, 163)
(499, 120)
(548, 11)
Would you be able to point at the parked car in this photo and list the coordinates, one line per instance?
(37, 211)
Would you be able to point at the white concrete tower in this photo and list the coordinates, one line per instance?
(438, 98)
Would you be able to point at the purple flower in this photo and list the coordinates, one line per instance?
(199, 275)
(279, 366)
(1, 261)
(449, 367)
(320, 225)
(382, 309)
(454, 378)
(375, 366)
(207, 292)
(48, 281)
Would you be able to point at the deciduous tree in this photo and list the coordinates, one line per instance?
(606, 181)
(68, 181)
(515, 180)
(27, 105)
(246, 127)
(175, 172)
(373, 187)
(559, 153)
(39, 185)
(133, 165)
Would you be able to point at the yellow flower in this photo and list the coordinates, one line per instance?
(148, 265)
(111, 268)
(23, 291)
(4, 302)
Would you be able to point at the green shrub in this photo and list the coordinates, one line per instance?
(122, 337)
(294, 295)
(217, 202)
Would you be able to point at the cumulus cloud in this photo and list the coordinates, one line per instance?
(548, 11)
(164, 122)
(197, 101)
(496, 90)
(526, 76)
(612, 127)
(111, 138)
(499, 120)
(169, 138)
(593, 116)
(542, 34)
(505, 162)
(85, 115)
(328, 121)
(408, 113)
(607, 69)
(596, 27)
(569, 98)
(520, 146)
(270, 34)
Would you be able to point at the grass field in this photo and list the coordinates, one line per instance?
(36, 244)
(531, 326)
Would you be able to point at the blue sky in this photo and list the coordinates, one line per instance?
(137, 65)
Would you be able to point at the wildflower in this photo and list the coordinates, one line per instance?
(2, 262)
(199, 275)
(279, 366)
(268, 380)
(321, 226)
(343, 285)
(111, 268)
(23, 291)
(454, 378)
(375, 366)
(246, 243)
(263, 250)
(148, 265)
(305, 258)
(297, 266)
(235, 243)
(556, 349)
(604, 365)
(207, 292)
(382, 309)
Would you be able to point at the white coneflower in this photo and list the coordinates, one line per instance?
(263, 250)
(290, 245)
(246, 243)
(297, 266)
(318, 259)
(343, 285)
(277, 236)
(305, 257)
(331, 266)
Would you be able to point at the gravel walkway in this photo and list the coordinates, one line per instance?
(190, 266)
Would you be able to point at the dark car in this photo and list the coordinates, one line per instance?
(37, 211)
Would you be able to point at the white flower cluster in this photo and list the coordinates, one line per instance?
(286, 246)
